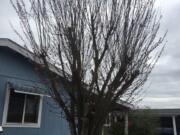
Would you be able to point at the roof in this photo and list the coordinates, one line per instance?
(5, 42)
(166, 112)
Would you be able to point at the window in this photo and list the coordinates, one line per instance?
(166, 122)
(22, 110)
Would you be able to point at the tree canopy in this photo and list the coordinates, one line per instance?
(104, 49)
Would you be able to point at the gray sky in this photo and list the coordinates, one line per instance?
(163, 86)
(164, 82)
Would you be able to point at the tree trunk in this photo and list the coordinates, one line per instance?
(87, 130)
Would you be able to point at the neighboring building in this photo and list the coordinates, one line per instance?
(169, 121)
(25, 106)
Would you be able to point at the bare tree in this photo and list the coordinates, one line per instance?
(104, 50)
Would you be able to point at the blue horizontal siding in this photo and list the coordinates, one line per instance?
(13, 64)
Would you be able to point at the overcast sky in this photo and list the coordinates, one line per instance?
(163, 86)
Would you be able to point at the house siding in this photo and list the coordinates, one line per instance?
(13, 64)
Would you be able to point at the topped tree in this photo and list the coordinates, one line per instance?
(102, 48)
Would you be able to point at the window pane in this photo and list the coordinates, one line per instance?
(32, 109)
(15, 109)
(166, 122)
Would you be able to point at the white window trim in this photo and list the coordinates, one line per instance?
(27, 125)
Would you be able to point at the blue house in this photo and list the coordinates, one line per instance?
(25, 108)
